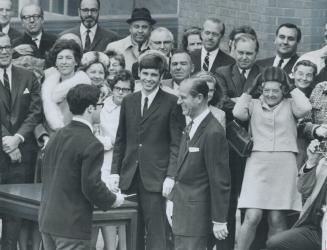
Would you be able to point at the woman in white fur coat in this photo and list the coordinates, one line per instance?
(65, 56)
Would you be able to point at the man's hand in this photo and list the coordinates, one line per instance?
(10, 143)
(313, 155)
(114, 183)
(220, 230)
(15, 156)
(167, 186)
(120, 198)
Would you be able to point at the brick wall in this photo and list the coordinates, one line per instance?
(263, 15)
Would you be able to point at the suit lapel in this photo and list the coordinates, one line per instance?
(184, 149)
(236, 79)
(16, 85)
(288, 67)
(97, 38)
(137, 106)
(154, 105)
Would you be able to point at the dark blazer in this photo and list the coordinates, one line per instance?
(72, 183)
(101, 39)
(150, 142)
(24, 113)
(13, 34)
(47, 40)
(221, 59)
(270, 61)
(230, 79)
(201, 191)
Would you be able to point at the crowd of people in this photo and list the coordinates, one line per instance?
(94, 118)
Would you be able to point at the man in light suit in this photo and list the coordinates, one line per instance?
(5, 15)
(94, 38)
(312, 183)
(32, 20)
(202, 181)
(235, 79)
(71, 178)
(146, 149)
(20, 111)
(288, 36)
(210, 57)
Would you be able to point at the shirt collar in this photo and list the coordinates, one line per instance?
(150, 96)
(38, 37)
(83, 29)
(8, 69)
(6, 29)
(211, 53)
(247, 71)
(130, 43)
(285, 60)
(79, 119)
(197, 121)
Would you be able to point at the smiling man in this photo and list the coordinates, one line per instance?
(32, 20)
(146, 149)
(94, 37)
(132, 46)
(288, 36)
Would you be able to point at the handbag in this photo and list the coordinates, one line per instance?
(239, 138)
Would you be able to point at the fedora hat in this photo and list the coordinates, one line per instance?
(141, 14)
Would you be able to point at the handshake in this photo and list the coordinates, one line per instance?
(114, 187)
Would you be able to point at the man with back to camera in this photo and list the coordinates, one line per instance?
(32, 19)
(288, 36)
(132, 46)
(93, 36)
(202, 182)
(210, 57)
(146, 149)
(71, 178)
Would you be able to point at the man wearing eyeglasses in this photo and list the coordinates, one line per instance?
(210, 57)
(161, 39)
(94, 37)
(5, 15)
(20, 112)
(32, 20)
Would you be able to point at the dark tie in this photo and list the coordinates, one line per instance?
(243, 76)
(205, 65)
(7, 86)
(0, 28)
(34, 41)
(280, 63)
(188, 130)
(87, 41)
(145, 106)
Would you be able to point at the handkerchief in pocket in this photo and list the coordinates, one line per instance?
(26, 91)
(193, 149)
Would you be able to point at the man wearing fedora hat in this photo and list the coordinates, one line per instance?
(93, 37)
(132, 46)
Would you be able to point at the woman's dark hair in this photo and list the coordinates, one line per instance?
(306, 63)
(118, 56)
(123, 75)
(81, 96)
(218, 93)
(61, 45)
(190, 31)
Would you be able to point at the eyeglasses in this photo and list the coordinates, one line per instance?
(101, 104)
(35, 17)
(93, 10)
(124, 90)
(6, 48)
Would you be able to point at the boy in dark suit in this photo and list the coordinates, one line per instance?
(72, 176)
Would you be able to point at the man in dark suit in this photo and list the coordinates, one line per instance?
(181, 67)
(288, 36)
(32, 21)
(71, 178)
(5, 15)
(94, 38)
(201, 192)
(146, 149)
(20, 109)
(210, 57)
(235, 80)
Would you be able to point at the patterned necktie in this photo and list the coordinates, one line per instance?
(7, 86)
(280, 63)
(188, 130)
(35, 42)
(87, 41)
(145, 106)
(205, 65)
(243, 74)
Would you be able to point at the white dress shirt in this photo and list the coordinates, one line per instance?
(37, 39)
(247, 72)
(277, 59)
(150, 98)
(212, 56)
(197, 120)
(83, 31)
